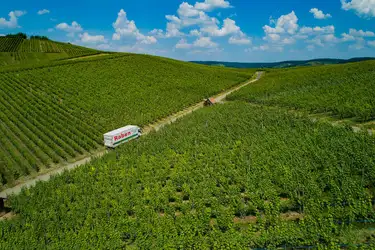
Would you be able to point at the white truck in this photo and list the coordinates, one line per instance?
(119, 136)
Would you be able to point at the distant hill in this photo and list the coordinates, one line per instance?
(18, 49)
(285, 64)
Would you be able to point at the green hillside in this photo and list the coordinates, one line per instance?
(345, 91)
(229, 177)
(256, 171)
(18, 50)
(55, 113)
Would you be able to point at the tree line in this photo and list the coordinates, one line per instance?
(24, 36)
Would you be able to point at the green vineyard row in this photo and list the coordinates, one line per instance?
(54, 114)
(17, 44)
(345, 91)
(233, 176)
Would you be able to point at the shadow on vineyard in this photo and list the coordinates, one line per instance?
(5, 210)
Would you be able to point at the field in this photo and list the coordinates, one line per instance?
(10, 44)
(273, 167)
(233, 176)
(345, 91)
(21, 58)
(57, 113)
(16, 51)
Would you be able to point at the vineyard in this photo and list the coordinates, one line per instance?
(233, 176)
(345, 91)
(54, 114)
(18, 59)
(254, 172)
(16, 50)
(10, 44)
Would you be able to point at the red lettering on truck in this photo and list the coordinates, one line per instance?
(121, 136)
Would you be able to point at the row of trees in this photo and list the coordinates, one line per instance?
(24, 36)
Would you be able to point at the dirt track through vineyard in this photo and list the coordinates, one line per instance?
(146, 130)
(218, 98)
(86, 57)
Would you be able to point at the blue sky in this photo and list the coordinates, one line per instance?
(227, 30)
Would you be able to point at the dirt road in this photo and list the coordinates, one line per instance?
(218, 98)
(45, 177)
(152, 127)
(85, 57)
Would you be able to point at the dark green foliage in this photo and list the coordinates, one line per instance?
(16, 49)
(39, 37)
(18, 35)
(182, 188)
(53, 114)
(344, 90)
(10, 44)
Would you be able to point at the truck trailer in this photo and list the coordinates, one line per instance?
(119, 136)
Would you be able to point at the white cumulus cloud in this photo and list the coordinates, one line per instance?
(317, 30)
(209, 5)
(187, 10)
(147, 39)
(286, 31)
(195, 32)
(173, 30)
(229, 27)
(347, 37)
(240, 39)
(371, 43)
(361, 33)
(125, 28)
(357, 36)
(202, 42)
(265, 47)
(288, 40)
(13, 20)
(43, 12)
(71, 29)
(361, 7)
(205, 42)
(157, 33)
(196, 15)
(318, 14)
(283, 33)
(183, 44)
(285, 24)
(87, 38)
